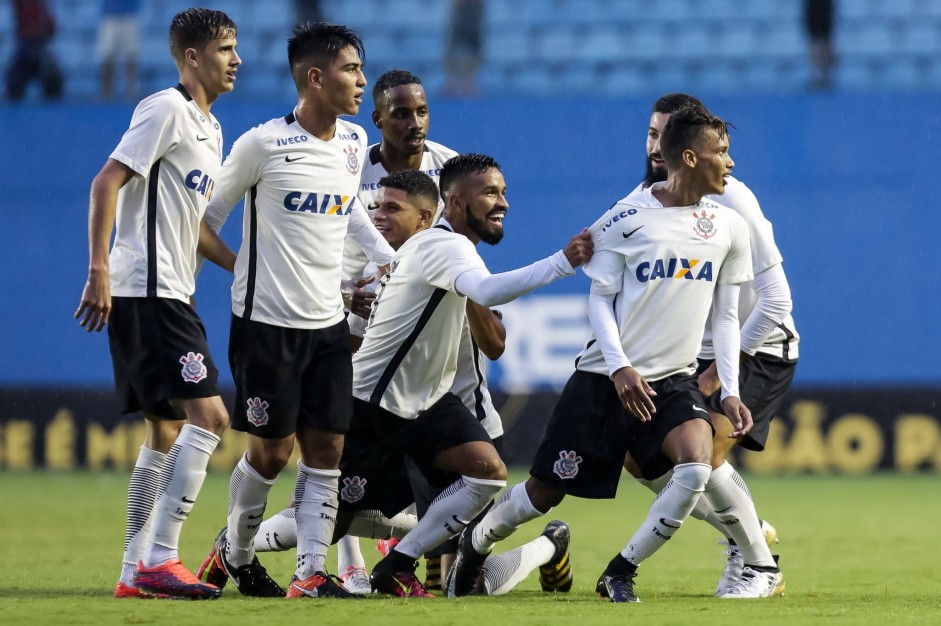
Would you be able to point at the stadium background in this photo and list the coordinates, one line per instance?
(845, 175)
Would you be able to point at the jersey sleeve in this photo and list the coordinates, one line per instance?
(606, 267)
(764, 250)
(155, 129)
(443, 260)
(241, 170)
(737, 266)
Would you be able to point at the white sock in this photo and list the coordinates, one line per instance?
(180, 481)
(668, 511)
(502, 572)
(248, 496)
(511, 511)
(141, 495)
(277, 533)
(449, 513)
(348, 554)
(729, 498)
(374, 525)
(315, 509)
(702, 510)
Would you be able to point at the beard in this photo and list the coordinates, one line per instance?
(480, 229)
(652, 175)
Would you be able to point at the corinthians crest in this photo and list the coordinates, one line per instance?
(705, 227)
(257, 413)
(352, 161)
(567, 465)
(354, 488)
(194, 370)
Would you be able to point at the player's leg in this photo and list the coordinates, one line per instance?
(352, 566)
(549, 552)
(446, 437)
(141, 495)
(326, 410)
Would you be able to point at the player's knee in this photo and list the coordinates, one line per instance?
(490, 467)
(542, 496)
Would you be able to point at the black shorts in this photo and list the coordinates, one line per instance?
(763, 381)
(286, 378)
(160, 354)
(678, 401)
(374, 473)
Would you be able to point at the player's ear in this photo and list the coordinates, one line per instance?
(314, 77)
(689, 157)
(191, 57)
(424, 217)
(377, 119)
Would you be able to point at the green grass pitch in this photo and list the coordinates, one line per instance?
(854, 550)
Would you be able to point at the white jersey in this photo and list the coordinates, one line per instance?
(470, 376)
(300, 202)
(176, 151)
(410, 351)
(433, 159)
(783, 340)
(664, 265)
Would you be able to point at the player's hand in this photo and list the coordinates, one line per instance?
(635, 393)
(579, 249)
(739, 415)
(95, 307)
(360, 299)
(709, 380)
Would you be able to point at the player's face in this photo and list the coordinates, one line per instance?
(485, 200)
(343, 81)
(656, 168)
(218, 63)
(402, 116)
(399, 216)
(714, 164)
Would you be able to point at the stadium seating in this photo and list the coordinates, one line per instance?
(556, 47)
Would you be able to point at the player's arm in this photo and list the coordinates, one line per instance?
(489, 289)
(632, 389)
(95, 305)
(772, 306)
(363, 231)
(487, 328)
(727, 344)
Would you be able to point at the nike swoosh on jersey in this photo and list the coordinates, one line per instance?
(288, 158)
(699, 408)
(626, 235)
(202, 137)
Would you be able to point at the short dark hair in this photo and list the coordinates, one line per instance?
(194, 28)
(686, 130)
(412, 182)
(673, 102)
(456, 168)
(321, 40)
(393, 78)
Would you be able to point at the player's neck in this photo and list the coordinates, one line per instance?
(320, 125)
(676, 193)
(397, 161)
(198, 93)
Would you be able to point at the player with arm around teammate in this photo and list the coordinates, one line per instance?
(660, 262)
(153, 191)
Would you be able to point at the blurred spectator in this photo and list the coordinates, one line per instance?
(118, 43)
(818, 20)
(32, 57)
(465, 40)
(307, 11)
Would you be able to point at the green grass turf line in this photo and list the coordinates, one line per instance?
(854, 550)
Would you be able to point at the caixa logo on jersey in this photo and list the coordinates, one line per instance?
(200, 183)
(324, 203)
(689, 269)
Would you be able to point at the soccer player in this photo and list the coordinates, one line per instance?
(406, 365)
(769, 358)
(288, 345)
(661, 261)
(155, 188)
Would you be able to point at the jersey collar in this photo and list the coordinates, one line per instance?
(179, 87)
(444, 225)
